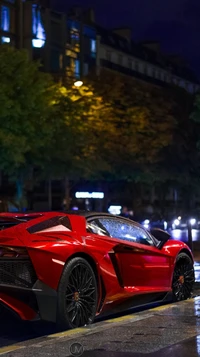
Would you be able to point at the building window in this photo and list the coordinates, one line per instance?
(129, 63)
(136, 66)
(5, 39)
(162, 76)
(85, 69)
(5, 18)
(93, 47)
(108, 56)
(153, 73)
(149, 71)
(89, 32)
(37, 28)
(145, 70)
(77, 68)
(73, 24)
(55, 61)
(141, 67)
(120, 60)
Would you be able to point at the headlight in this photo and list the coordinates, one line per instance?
(176, 222)
(192, 221)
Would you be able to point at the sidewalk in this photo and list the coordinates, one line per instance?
(171, 330)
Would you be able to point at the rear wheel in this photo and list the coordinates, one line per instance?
(77, 295)
(183, 278)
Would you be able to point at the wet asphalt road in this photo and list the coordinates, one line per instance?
(13, 330)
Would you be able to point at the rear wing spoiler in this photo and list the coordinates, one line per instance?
(11, 219)
(23, 217)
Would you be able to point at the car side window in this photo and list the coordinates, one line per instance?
(126, 231)
(96, 227)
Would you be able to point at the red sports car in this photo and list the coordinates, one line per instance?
(69, 268)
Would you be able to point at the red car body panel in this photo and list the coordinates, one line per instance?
(124, 269)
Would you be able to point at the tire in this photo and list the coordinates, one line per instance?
(183, 278)
(77, 295)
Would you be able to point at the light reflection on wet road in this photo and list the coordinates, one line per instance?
(179, 234)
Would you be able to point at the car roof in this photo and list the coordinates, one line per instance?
(93, 214)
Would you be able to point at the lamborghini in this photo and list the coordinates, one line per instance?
(69, 268)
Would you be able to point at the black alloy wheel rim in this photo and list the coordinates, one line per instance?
(81, 296)
(183, 280)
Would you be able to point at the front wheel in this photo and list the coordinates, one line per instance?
(77, 295)
(183, 278)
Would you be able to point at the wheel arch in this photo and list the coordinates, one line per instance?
(186, 251)
(183, 250)
(94, 265)
(184, 294)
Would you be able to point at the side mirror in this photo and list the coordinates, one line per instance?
(160, 235)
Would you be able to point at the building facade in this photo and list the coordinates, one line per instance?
(65, 45)
(144, 62)
(71, 45)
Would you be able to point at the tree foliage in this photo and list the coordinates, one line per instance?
(111, 128)
(78, 133)
(25, 98)
(142, 120)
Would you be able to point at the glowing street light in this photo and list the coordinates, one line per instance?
(78, 83)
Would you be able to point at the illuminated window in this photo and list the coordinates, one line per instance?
(5, 39)
(73, 24)
(93, 47)
(5, 18)
(37, 28)
(77, 68)
(75, 39)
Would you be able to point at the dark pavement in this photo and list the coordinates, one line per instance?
(170, 330)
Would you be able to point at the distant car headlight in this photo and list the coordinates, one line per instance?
(192, 221)
(147, 221)
(176, 222)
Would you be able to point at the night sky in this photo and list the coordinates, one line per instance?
(174, 23)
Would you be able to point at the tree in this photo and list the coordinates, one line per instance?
(25, 100)
(78, 134)
(178, 167)
(143, 121)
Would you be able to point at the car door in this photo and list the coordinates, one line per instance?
(142, 263)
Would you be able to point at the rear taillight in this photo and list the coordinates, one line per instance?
(13, 252)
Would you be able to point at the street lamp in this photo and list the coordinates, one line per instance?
(78, 83)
